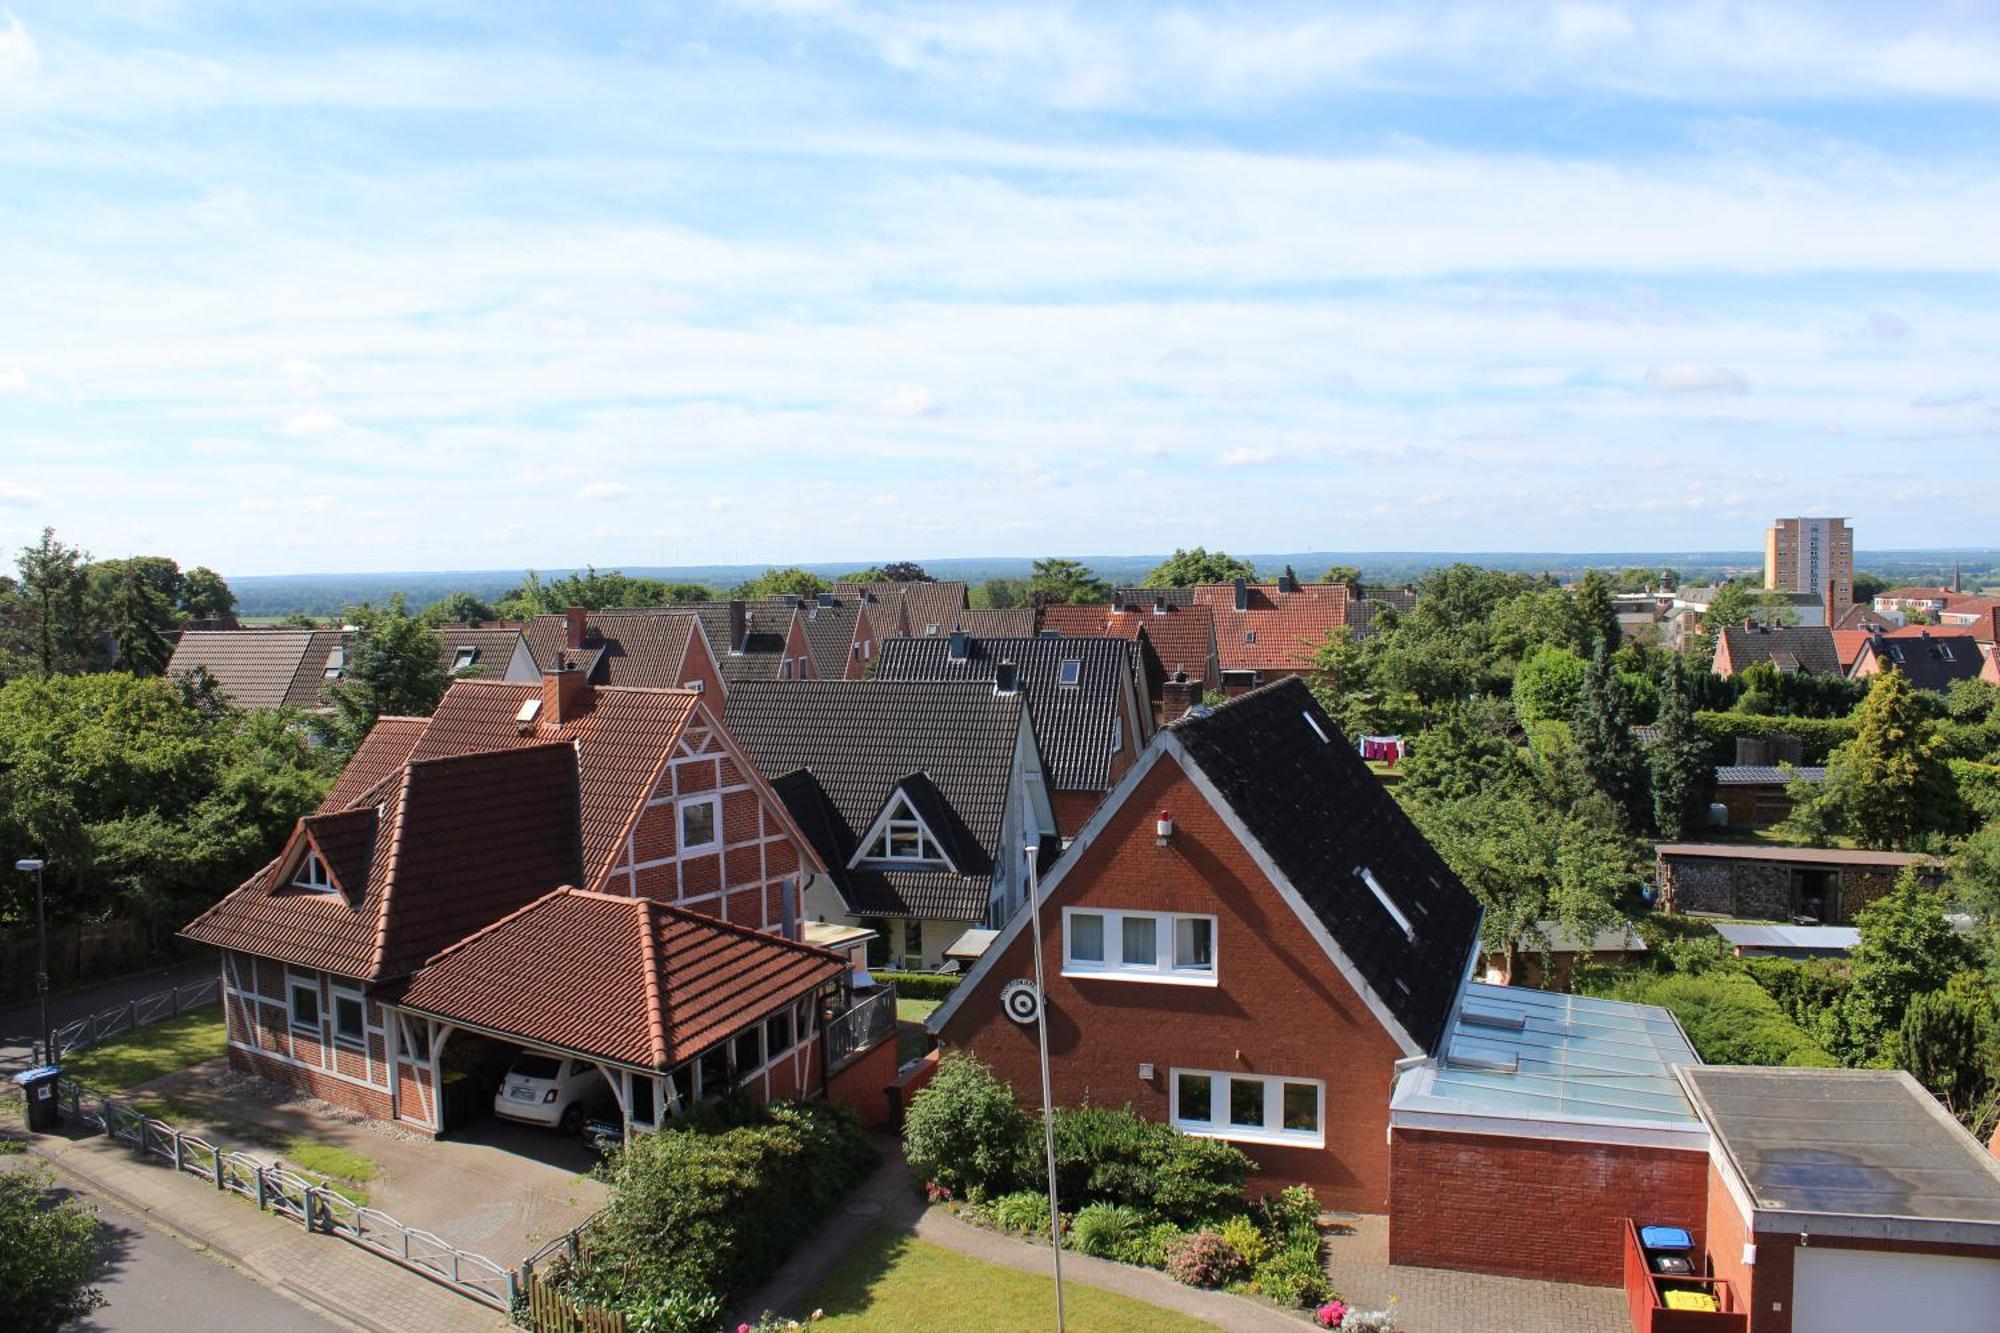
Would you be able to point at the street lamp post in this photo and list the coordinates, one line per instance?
(33, 865)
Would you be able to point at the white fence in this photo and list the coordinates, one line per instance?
(132, 1015)
(315, 1207)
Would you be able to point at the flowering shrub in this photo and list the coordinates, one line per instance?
(770, 1323)
(1369, 1321)
(936, 1193)
(1202, 1259)
(1331, 1314)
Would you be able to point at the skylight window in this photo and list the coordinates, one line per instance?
(1318, 730)
(336, 663)
(529, 711)
(1249, 636)
(464, 658)
(1388, 903)
(1070, 672)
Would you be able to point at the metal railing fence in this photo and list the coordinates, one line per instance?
(88, 1031)
(867, 1023)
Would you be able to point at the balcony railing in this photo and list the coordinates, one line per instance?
(1645, 1297)
(867, 1024)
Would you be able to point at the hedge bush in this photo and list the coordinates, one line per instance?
(964, 1131)
(1818, 736)
(920, 985)
(1978, 787)
(700, 1215)
(1730, 1018)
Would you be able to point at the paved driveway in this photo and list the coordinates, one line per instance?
(1438, 1300)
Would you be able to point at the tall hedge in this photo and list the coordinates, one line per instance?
(920, 985)
(1818, 736)
(1730, 1018)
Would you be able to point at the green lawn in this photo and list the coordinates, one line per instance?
(895, 1282)
(910, 1037)
(162, 1048)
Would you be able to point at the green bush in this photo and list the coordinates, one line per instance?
(1025, 1211)
(1241, 1235)
(1730, 1018)
(1203, 1259)
(964, 1131)
(700, 1216)
(1104, 1229)
(1118, 1156)
(1818, 736)
(1292, 1277)
(920, 985)
(1978, 787)
(1803, 987)
(1148, 1248)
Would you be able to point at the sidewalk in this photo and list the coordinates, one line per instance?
(888, 1199)
(350, 1286)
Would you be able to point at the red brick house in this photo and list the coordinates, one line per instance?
(1085, 698)
(1265, 631)
(1249, 940)
(841, 635)
(760, 640)
(1176, 636)
(1257, 974)
(921, 609)
(469, 822)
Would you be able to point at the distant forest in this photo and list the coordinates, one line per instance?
(261, 596)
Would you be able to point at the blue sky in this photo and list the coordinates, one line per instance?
(380, 285)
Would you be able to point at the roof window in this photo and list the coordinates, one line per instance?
(464, 658)
(529, 710)
(1318, 731)
(1070, 672)
(1488, 1018)
(1249, 636)
(1388, 903)
(336, 663)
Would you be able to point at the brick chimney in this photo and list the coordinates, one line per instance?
(1176, 695)
(566, 692)
(1242, 594)
(739, 625)
(575, 621)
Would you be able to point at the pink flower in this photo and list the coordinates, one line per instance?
(743, 1328)
(1330, 1314)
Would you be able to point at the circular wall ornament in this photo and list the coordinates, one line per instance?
(1020, 1001)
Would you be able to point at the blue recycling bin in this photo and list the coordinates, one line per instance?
(44, 1107)
(1669, 1251)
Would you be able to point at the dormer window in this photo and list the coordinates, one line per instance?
(312, 875)
(1070, 672)
(901, 836)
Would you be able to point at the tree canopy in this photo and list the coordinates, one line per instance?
(392, 669)
(779, 582)
(1058, 580)
(1197, 565)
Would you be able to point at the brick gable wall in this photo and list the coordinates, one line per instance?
(1280, 1006)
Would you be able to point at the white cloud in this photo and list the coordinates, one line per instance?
(15, 495)
(718, 504)
(603, 490)
(914, 400)
(311, 425)
(1246, 457)
(303, 374)
(1148, 449)
(1694, 377)
(1886, 326)
(19, 56)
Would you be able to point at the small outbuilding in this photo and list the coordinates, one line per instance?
(1823, 884)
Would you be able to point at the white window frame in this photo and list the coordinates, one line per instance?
(294, 983)
(302, 878)
(1272, 1131)
(714, 803)
(1166, 932)
(698, 686)
(900, 817)
(464, 659)
(340, 993)
(1069, 672)
(1117, 734)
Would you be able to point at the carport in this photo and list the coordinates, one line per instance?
(669, 1005)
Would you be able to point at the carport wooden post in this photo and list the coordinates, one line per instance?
(441, 1033)
(392, 1030)
(621, 1089)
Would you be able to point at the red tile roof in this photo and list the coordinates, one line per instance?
(643, 648)
(401, 865)
(622, 740)
(1179, 637)
(1278, 630)
(625, 979)
(1934, 593)
(381, 754)
(1848, 643)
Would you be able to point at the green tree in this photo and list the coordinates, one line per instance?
(204, 595)
(54, 586)
(1467, 750)
(1197, 565)
(392, 668)
(1946, 1040)
(1548, 685)
(1347, 574)
(1891, 784)
(1607, 754)
(133, 611)
(1907, 948)
(998, 594)
(1679, 760)
(1056, 580)
(48, 1253)
(459, 608)
(1599, 611)
(778, 582)
(1867, 587)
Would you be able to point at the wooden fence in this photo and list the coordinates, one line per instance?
(547, 1310)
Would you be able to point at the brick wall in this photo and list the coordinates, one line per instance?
(1534, 1208)
(372, 1102)
(1280, 1006)
(863, 1086)
(1073, 809)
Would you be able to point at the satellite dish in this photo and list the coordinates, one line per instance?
(1020, 1001)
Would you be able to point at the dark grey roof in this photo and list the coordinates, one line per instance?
(1147, 596)
(1811, 647)
(1931, 661)
(1760, 775)
(837, 750)
(757, 657)
(492, 648)
(830, 634)
(1072, 722)
(1321, 817)
(1867, 1143)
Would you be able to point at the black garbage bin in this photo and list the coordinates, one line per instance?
(44, 1107)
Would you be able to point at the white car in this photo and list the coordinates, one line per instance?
(546, 1090)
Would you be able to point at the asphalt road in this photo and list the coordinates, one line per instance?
(154, 1282)
(19, 1020)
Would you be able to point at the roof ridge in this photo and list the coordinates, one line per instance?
(649, 978)
(439, 760)
(379, 954)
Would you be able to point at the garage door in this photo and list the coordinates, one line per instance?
(1838, 1291)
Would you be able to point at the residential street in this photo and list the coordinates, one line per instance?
(18, 1020)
